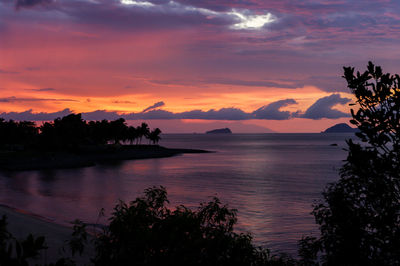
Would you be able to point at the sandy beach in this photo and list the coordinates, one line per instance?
(21, 224)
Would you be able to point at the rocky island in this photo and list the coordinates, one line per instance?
(220, 131)
(340, 128)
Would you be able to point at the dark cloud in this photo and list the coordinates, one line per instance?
(322, 108)
(29, 115)
(31, 3)
(326, 83)
(123, 102)
(221, 114)
(16, 99)
(268, 112)
(100, 115)
(154, 106)
(272, 110)
(156, 114)
(43, 89)
(252, 83)
(8, 72)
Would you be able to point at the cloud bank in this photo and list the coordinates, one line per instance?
(322, 108)
(272, 111)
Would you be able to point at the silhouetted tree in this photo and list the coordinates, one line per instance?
(18, 252)
(118, 129)
(147, 232)
(17, 133)
(154, 136)
(71, 132)
(65, 133)
(132, 134)
(143, 131)
(359, 218)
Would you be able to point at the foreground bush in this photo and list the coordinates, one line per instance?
(18, 252)
(146, 232)
(359, 218)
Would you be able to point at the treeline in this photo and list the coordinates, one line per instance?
(72, 131)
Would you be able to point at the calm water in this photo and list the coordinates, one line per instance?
(272, 179)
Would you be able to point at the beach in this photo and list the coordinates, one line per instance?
(22, 223)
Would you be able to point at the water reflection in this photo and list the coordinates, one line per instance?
(271, 179)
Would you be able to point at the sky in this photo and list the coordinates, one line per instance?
(192, 65)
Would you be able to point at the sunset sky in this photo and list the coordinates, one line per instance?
(192, 65)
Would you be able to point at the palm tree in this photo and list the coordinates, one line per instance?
(118, 129)
(143, 131)
(132, 134)
(154, 136)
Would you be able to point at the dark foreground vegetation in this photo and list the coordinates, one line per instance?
(358, 216)
(73, 142)
(72, 132)
(147, 232)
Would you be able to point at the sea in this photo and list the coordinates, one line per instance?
(272, 180)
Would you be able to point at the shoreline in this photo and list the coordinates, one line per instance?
(85, 156)
(21, 223)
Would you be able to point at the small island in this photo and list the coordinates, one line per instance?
(341, 128)
(71, 142)
(220, 131)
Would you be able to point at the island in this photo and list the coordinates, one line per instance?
(220, 131)
(341, 128)
(71, 142)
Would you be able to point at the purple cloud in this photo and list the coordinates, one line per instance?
(154, 106)
(322, 108)
(31, 3)
(272, 111)
(268, 112)
(30, 116)
(16, 99)
(43, 89)
(8, 72)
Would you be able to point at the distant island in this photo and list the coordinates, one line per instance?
(341, 128)
(220, 131)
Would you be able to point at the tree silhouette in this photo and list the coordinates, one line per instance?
(17, 133)
(18, 252)
(143, 131)
(146, 232)
(70, 133)
(132, 134)
(359, 218)
(154, 136)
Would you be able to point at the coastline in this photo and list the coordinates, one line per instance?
(84, 157)
(22, 223)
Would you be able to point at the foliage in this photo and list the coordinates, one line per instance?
(12, 132)
(14, 252)
(147, 232)
(71, 132)
(359, 218)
